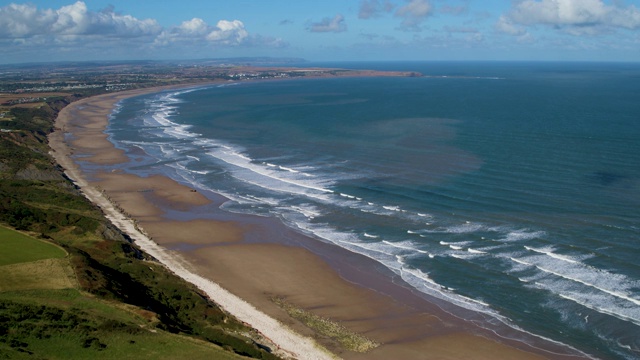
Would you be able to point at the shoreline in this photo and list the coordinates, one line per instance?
(288, 342)
(247, 259)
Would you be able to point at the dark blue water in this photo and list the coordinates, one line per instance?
(511, 189)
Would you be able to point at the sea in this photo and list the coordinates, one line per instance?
(509, 189)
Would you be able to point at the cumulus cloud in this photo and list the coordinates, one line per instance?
(228, 32)
(196, 30)
(193, 27)
(76, 31)
(413, 14)
(454, 10)
(23, 21)
(505, 25)
(265, 42)
(574, 16)
(461, 29)
(374, 8)
(337, 24)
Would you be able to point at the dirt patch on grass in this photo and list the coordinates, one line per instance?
(42, 274)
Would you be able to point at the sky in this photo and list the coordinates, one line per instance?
(320, 30)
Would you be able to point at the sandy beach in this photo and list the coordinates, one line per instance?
(243, 263)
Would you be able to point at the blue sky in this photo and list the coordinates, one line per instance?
(327, 30)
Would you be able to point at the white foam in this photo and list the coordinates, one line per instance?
(424, 283)
(520, 261)
(422, 276)
(465, 228)
(522, 234)
(601, 309)
(391, 208)
(370, 236)
(264, 200)
(347, 196)
(372, 247)
(405, 245)
(597, 289)
(598, 283)
(375, 252)
(288, 169)
(201, 172)
(265, 175)
(263, 178)
(307, 210)
(480, 302)
(458, 244)
(474, 251)
(549, 252)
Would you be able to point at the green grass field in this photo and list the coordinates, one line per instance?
(42, 311)
(68, 324)
(118, 347)
(18, 248)
(28, 263)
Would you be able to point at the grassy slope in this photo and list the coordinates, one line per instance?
(18, 248)
(101, 297)
(67, 324)
(43, 312)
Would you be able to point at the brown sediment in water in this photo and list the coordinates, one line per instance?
(260, 260)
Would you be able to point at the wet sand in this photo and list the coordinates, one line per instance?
(257, 259)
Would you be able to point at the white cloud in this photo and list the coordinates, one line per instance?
(228, 32)
(266, 42)
(373, 8)
(197, 30)
(461, 29)
(454, 10)
(76, 31)
(193, 27)
(575, 16)
(337, 24)
(505, 25)
(25, 21)
(20, 21)
(413, 14)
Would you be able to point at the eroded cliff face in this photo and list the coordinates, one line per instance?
(31, 172)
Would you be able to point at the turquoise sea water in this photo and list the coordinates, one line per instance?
(510, 189)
